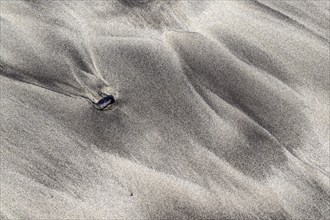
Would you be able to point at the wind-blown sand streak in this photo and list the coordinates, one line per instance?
(222, 109)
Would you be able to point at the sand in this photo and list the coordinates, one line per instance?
(222, 109)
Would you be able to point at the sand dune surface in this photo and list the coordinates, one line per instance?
(221, 112)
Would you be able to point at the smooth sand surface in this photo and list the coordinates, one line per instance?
(222, 109)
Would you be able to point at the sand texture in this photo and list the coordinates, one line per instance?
(221, 112)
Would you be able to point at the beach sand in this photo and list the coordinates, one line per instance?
(221, 112)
